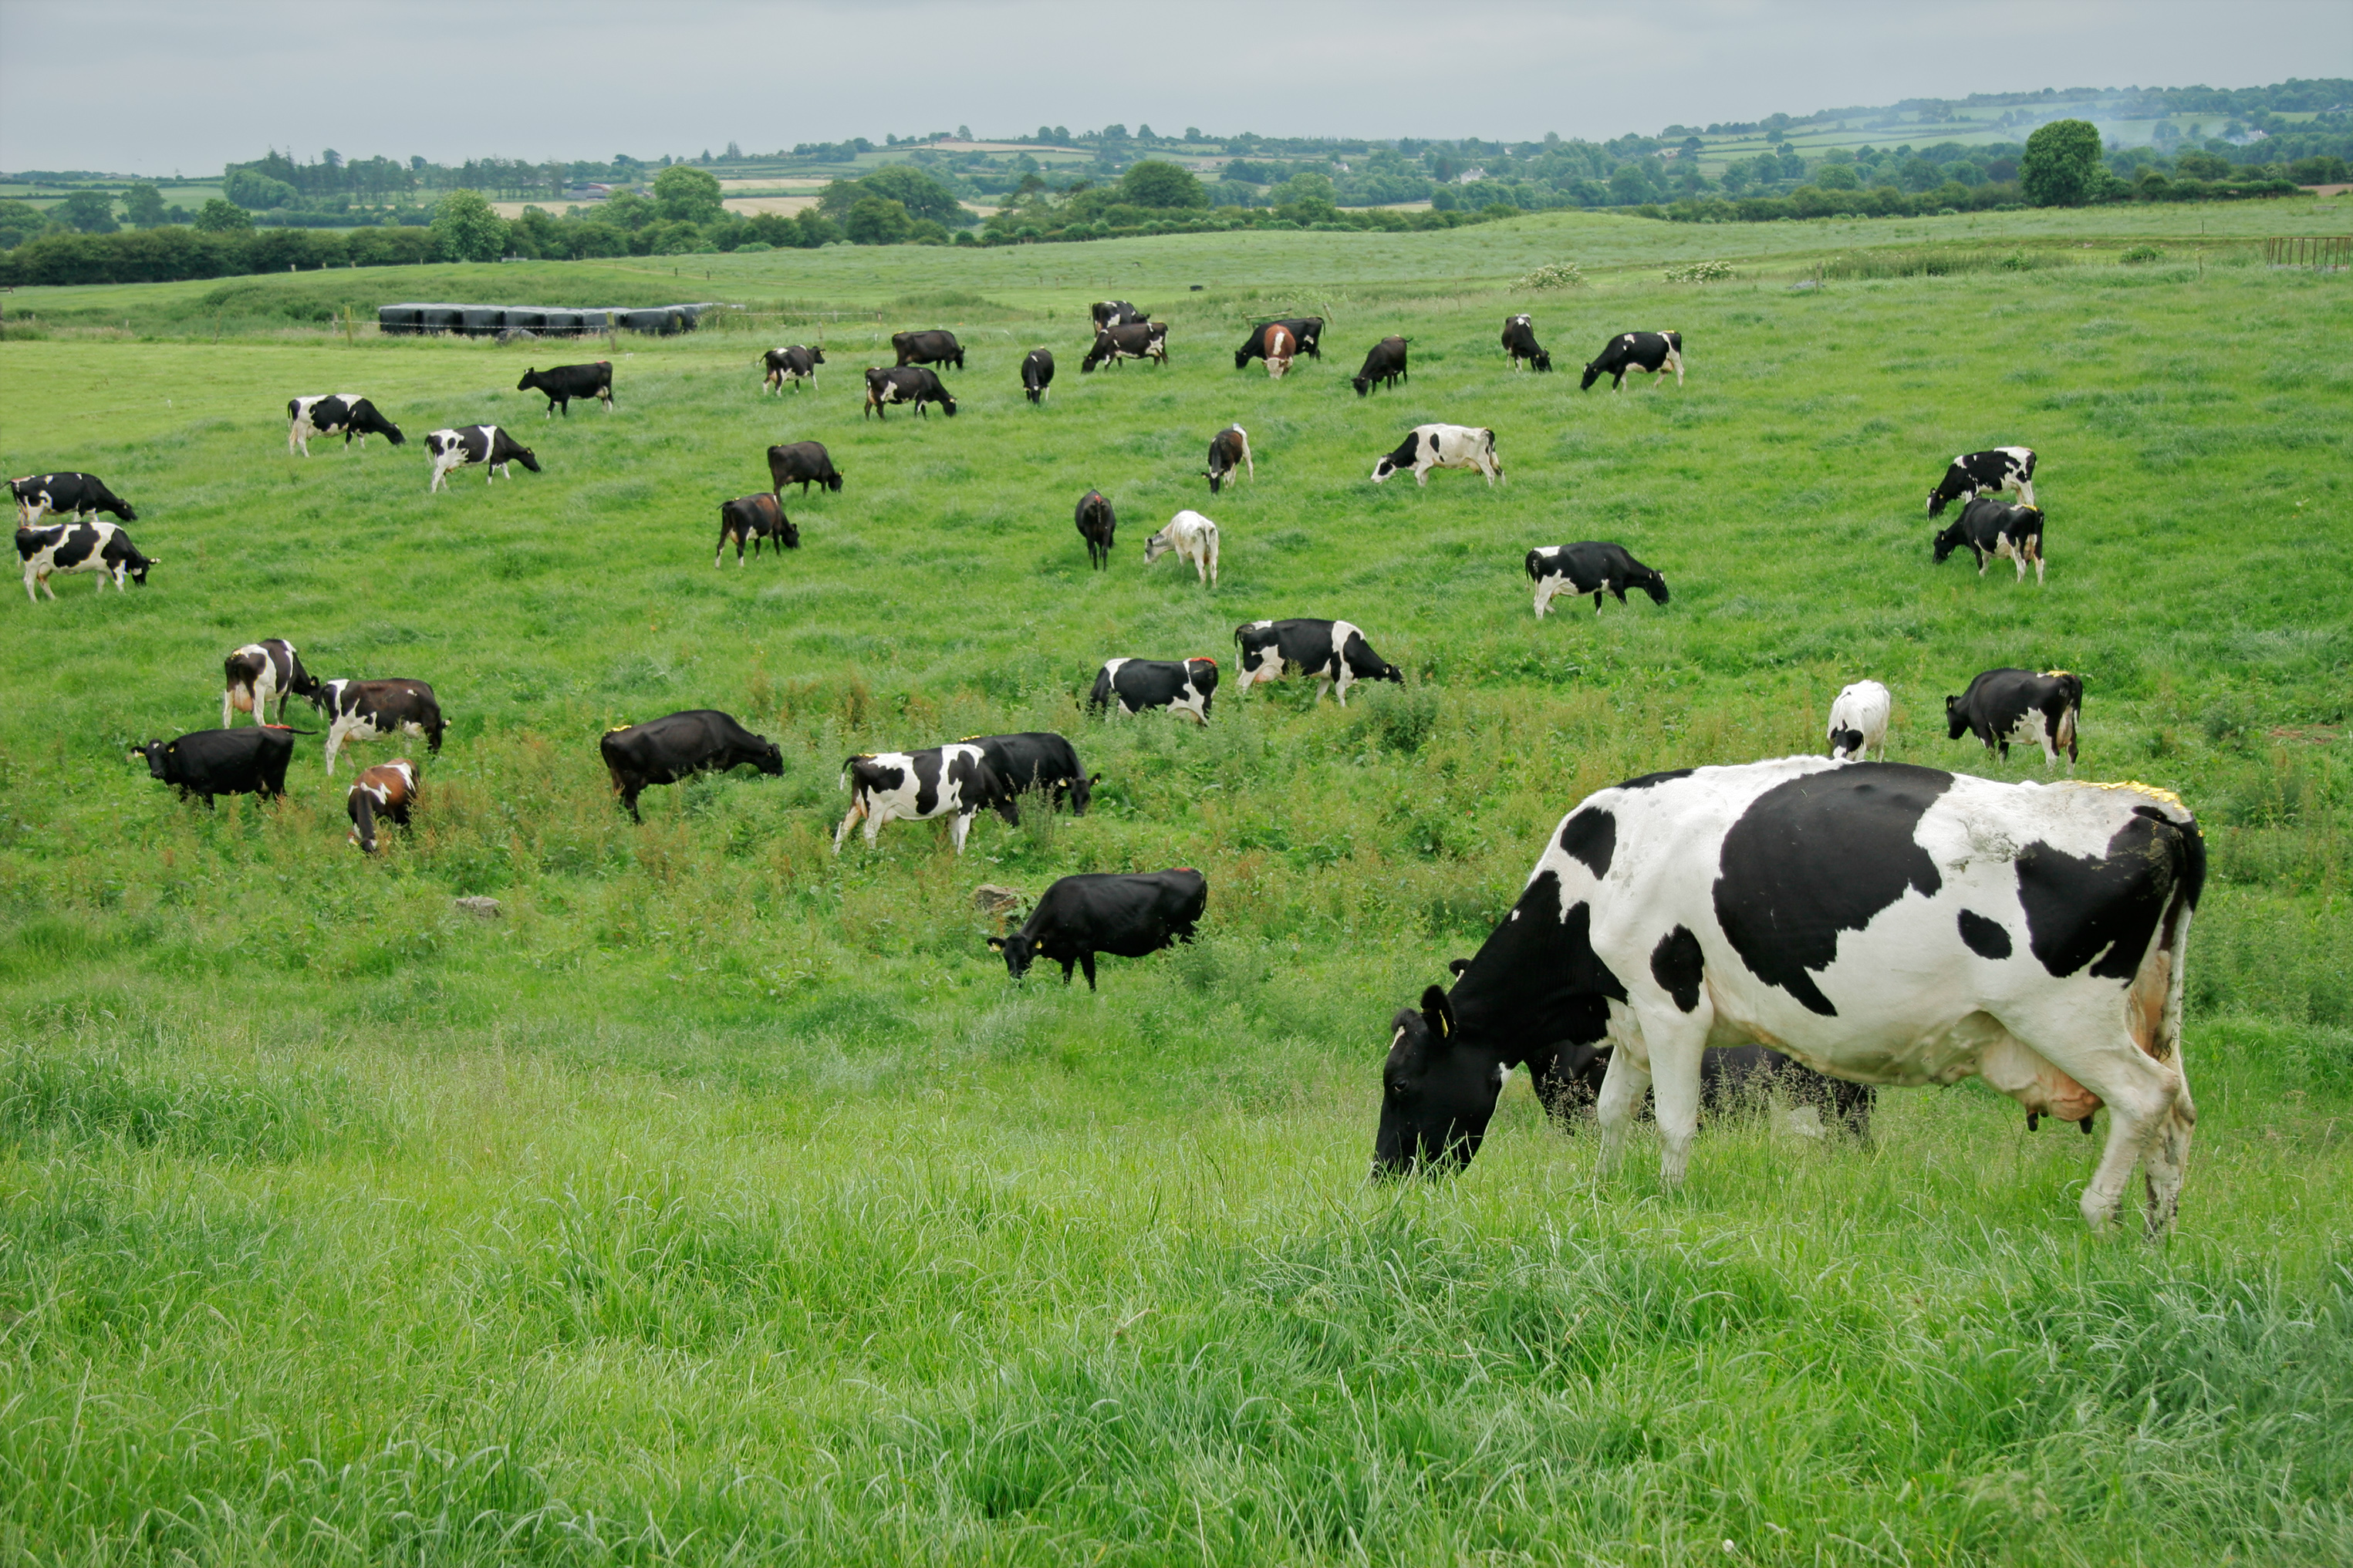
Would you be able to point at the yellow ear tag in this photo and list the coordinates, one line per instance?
(1442, 1030)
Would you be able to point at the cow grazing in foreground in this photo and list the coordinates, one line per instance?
(1384, 363)
(1307, 330)
(1441, 446)
(1127, 916)
(954, 782)
(1280, 346)
(1096, 525)
(370, 710)
(678, 745)
(796, 364)
(1994, 530)
(1333, 652)
(753, 519)
(254, 674)
(916, 385)
(209, 762)
(1145, 340)
(79, 496)
(564, 383)
(1228, 450)
(802, 463)
(1039, 762)
(469, 444)
(347, 413)
(1037, 373)
(1973, 474)
(1654, 354)
(1193, 538)
(1880, 923)
(1592, 566)
(1133, 685)
(1858, 721)
(927, 348)
(1115, 313)
(386, 791)
(2017, 707)
(1520, 343)
(69, 547)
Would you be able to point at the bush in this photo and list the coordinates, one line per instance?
(1700, 272)
(1555, 275)
(2139, 254)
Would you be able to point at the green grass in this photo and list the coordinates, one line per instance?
(723, 1202)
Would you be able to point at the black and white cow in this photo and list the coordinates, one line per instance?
(1228, 450)
(678, 745)
(254, 674)
(564, 383)
(1333, 652)
(1441, 446)
(79, 496)
(753, 519)
(796, 364)
(1128, 915)
(927, 348)
(1114, 313)
(386, 791)
(1193, 538)
(1145, 340)
(347, 413)
(1385, 363)
(1859, 718)
(1308, 330)
(2017, 707)
(1973, 474)
(1994, 530)
(1880, 923)
(1592, 566)
(802, 463)
(1520, 343)
(952, 780)
(1096, 526)
(1037, 373)
(1179, 685)
(1039, 762)
(208, 762)
(1654, 354)
(915, 385)
(103, 548)
(370, 710)
(469, 444)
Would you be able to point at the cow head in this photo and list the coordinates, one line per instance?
(528, 459)
(771, 757)
(817, 356)
(528, 377)
(1543, 359)
(1845, 744)
(152, 754)
(1653, 584)
(1158, 545)
(1949, 539)
(1593, 373)
(1020, 953)
(1438, 1093)
(1097, 355)
(1957, 718)
(1363, 383)
(788, 534)
(947, 406)
(1389, 464)
(1937, 500)
(1083, 791)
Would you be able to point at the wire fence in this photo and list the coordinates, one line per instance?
(2325, 254)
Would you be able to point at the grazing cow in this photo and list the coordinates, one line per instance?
(951, 781)
(1654, 354)
(1307, 331)
(755, 517)
(802, 463)
(797, 365)
(1194, 538)
(1880, 923)
(1037, 373)
(1441, 446)
(369, 709)
(259, 671)
(1333, 652)
(1041, 762)
(678, 745)
(1280, 346)
(1180, 685)
(2007, 707)
(927, 348)
(1228, 450)
(469, 445)
(916, 385)
(1127, 916)
(564, 383)
(347, 413)
(1591, 566)
(1385, 363)
(1115, 313)
(1973, 474)
(1520, 343)
(100, 547)
(1096, 525)
(1993, 530)
(1858, 721)
(222, 762)
(1145, 340)
(79, 496)
(386, 790)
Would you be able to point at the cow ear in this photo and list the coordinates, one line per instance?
(1438, 1014)
(1095, 780)
(997, 945)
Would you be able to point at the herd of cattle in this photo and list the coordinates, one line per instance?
(1819, 924)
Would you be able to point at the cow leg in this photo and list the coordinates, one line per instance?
(1624, 1084)
(1544, 596)
(1087, 962)
(2026, 491)
(960, 826)
(1597, 600)
(1678, 1049)
(1340, 686)
(857, 810)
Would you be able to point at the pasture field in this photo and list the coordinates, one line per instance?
(722, 1201)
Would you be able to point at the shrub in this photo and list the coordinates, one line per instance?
(1700, 272)
(1555, 275)
(2141, 253)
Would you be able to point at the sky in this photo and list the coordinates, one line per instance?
(140, 87)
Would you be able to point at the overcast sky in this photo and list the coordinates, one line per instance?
(142, 87)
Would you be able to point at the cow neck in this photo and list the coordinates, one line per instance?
(1537, 981)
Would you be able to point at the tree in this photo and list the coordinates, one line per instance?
(91, 212)
(142, 206)
(255, 192)
(919, 194)
(2202, 166)
(1836, 178)
(217, 216)
(466, 229)
(875, 220)
(688, 195)
(20, 221)
(1153, 184)
(2061, 160)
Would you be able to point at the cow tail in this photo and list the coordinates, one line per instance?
(2154, 1000)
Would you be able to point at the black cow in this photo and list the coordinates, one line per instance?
(1592, 566)
(1114, 313)
(802, 463)
(1973, 474)
(368, 709)
(1385, 363)
(469, 444)
(100, 547)
(1520, 343)
(2006, 706)
(347, 413)
(1096, 525)
(1307, 329)
(1037, 373)
(259, 671)
(1039, 762)
(1333, 652)
(1228, 450)
(223, 761)
(752, 518)
(666, 750)
(927, 348)
(1652, 353)
(1143, 340)
(1133, 685)
(797, 365)
(1994, 530)
(66, 495)
(1127, 916)
(916, 385)
(564, 383)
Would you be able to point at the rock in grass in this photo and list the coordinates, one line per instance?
(991, 899)
(480, 908)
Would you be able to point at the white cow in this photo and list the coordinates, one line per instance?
(1193, 538)
(953, 780)
(1442, 447)
(1858, 721)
